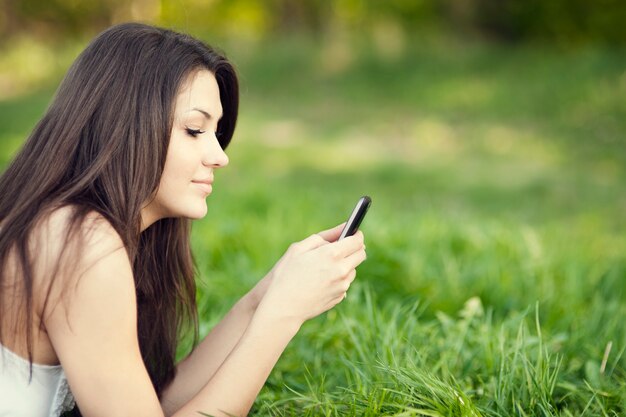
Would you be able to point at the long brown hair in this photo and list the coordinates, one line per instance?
(101, 146)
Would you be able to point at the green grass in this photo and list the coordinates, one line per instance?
(496, 251)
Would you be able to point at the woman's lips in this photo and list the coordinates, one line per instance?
(204, 185)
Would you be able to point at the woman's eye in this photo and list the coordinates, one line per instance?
(194, 132)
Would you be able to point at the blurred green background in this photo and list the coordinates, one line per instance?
(490, 136)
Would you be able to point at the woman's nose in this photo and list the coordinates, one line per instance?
(214, 155)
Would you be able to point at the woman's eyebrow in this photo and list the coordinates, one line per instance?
(206, 114)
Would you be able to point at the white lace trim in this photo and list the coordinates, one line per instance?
(63, 400)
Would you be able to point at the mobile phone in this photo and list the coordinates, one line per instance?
(355, 219)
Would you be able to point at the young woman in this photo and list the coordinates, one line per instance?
(96, 273)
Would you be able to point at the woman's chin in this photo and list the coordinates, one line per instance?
(198, 212)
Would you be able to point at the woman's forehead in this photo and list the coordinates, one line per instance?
(200, 92)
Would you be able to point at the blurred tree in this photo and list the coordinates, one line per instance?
(508, 20)
(565, 21)
(300, 15)
(59, 18)
(7, 18)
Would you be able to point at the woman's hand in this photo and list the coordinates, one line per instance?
(256, 294)
(312, 276)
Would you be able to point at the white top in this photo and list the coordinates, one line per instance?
(46, 395)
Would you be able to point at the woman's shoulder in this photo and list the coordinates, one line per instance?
(58, 219)
(83, 253)
(62, 225)
(71, 236)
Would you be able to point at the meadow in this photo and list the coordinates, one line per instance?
(494, 284)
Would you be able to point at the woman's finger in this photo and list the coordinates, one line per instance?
(336, 301)
(350, 262)
(346, 246)
(331, 235)
(351, 276)
(310, 243)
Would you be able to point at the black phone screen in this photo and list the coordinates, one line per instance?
(356, 217)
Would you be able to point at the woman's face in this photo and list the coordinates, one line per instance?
(193, 153)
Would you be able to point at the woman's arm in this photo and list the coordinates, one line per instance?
(236, 384)
(193, 372)
(94, 332)
(311, 278)
(92, 324)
